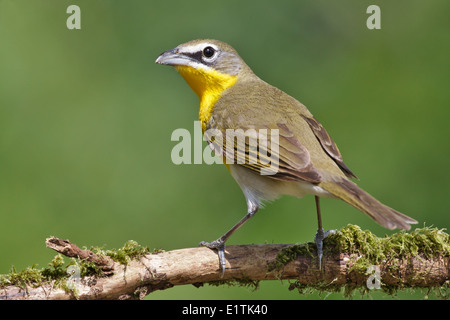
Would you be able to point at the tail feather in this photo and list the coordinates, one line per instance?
(361, 200)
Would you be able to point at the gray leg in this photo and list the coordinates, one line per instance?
(320, 234)
(219, 244)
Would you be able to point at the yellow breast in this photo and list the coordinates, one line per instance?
(208, 85)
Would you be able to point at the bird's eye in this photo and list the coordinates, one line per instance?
(208, 52)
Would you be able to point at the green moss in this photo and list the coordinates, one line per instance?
(430, 242)
(289, 254)
(131, 250)
(243, 282)
(427, 242)
(57, 269)
(29, 276)
(322, 288)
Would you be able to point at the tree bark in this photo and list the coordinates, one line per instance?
(159, 271)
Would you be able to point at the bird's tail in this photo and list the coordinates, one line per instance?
(361, 200)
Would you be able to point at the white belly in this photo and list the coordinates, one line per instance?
(259, 188)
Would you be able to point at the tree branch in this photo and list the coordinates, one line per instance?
(73, 251)
(417, 260)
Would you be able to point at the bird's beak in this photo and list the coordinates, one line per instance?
(173, 58)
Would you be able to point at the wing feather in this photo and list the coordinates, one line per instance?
(279, 153)
(328, 144)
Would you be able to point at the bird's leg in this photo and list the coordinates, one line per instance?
(320, 234)
(219, 244)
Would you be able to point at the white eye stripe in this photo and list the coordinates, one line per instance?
(197, 48)
(198, 65)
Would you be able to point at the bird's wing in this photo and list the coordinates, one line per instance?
(328, 144)
(269, 150)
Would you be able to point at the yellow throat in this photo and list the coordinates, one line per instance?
(208, 85)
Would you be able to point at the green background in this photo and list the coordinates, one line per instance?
(86, 119)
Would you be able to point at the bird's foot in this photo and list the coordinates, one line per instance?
(219, 245)
(318, 239)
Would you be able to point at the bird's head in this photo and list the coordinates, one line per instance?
(208, 66)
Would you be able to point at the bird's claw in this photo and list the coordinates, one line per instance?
(220, 247)
(318, 239)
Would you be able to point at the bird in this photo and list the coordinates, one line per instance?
(307, 160)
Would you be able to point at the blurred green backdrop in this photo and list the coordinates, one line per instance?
(86, 119)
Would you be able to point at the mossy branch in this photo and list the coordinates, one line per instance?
(353, 259)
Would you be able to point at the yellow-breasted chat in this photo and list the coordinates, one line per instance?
(308, 161)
